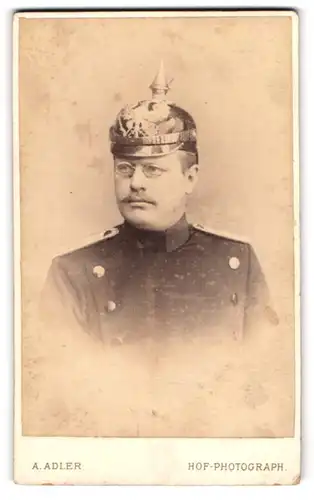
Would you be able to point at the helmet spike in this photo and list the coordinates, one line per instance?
(160, 86)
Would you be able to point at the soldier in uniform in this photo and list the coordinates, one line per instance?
(157, 275)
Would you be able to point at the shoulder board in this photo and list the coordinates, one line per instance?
(110, 233)
(225, 235)
(92, 239)
(105, 235)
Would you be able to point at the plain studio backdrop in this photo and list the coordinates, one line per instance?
(234, 75)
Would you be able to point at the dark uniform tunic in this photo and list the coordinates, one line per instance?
(134, 284)
(173, 344)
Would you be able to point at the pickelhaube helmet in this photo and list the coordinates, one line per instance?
(155, 127)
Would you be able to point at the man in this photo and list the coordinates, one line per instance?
(156, 275)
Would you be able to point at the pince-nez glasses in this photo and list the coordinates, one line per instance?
(125, 169)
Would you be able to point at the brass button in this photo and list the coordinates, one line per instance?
(234, 263)
(111, 306)
(98, 271)
(234, 299)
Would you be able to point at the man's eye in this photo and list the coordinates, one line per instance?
(124, 168)
(153, 170)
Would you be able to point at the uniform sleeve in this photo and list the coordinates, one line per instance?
(259, 310)
(61, 300)
(58, 355)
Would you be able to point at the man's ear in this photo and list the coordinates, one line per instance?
(192, 177)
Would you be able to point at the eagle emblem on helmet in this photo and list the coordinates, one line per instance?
(145, 119)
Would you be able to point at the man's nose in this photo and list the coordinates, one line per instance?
(138, 179)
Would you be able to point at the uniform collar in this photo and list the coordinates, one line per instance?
(163, 241)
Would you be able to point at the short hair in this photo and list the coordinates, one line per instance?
(190, 158)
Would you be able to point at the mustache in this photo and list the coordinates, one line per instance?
(133, 198)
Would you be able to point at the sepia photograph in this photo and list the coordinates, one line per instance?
(157, 233)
